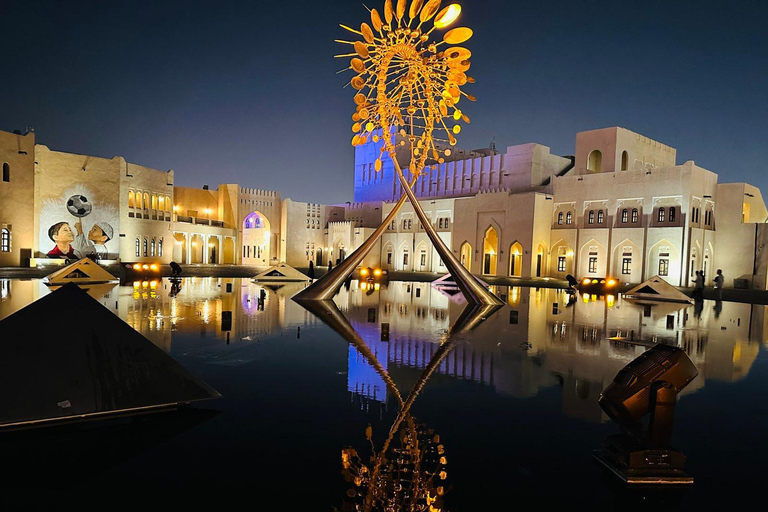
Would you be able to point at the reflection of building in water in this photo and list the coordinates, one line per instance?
(540, 341)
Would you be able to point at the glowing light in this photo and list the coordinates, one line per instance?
(611, 282)
(376, 286)
(153, 284)
(153, 266)
(585, 297)
(609, 299)
(377, 272)
(136, 284)
(585, 280)
(207, 211)
(364, 272)
(145, 266)
(594, 281)
(144, 284)
(175, 208)
(137, 266)
(447, 16)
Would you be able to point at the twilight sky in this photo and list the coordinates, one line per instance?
(247, 92)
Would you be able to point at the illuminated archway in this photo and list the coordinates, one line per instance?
(490, 251)
(541, 259)
(516, 260)
(256, 239)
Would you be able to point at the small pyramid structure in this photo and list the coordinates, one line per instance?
(66, 357)
(280, 273)
(657, 289)
(82, 271)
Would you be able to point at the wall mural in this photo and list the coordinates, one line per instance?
(77, 225)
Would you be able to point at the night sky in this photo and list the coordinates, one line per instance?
(247, 92)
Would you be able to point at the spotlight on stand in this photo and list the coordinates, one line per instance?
(647, 385)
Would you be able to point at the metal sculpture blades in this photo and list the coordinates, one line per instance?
(408, 91)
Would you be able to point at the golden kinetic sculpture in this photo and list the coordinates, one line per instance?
(408, 90)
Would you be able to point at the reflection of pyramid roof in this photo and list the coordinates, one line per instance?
(448, 281)
(281, 272)
(65, 356)
(657, 289)
(81, 271)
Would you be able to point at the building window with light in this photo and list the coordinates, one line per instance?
(152, 248)
(146, 244)
(560, 218)
(561, 263)
(672, 214)
(5, 240)
(138, 247)
(592, 265)
(600, 216)
(624, 215)
(591, 217)
(626, 266)
(635, 215)
(663, 267)
(160, 247)
(660, 217)
(568, 218)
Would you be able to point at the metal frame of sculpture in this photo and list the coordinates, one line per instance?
(408, 88)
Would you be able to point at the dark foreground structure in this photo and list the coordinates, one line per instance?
(67, 358)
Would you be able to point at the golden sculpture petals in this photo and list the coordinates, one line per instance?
(388, 11)
(358, 83)
(457, 53)
(356, 127)
(361, 49)
(429, 10)
(415, 8)
(376, 20)
(365, 29)
(359, 100)
(457, 35)
(401, 9)
(447, 16)
(357, 65)
(377, 164)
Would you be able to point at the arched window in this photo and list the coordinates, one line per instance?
(568, 217)
(131, 199)
(591, 217)
(152, 248)
(600, 215)
(635, 215)
(145, 247)
(624, 215)
(5, 240)
(624, 160)
(138, 248)
(154, 202)
(160, 203)
(168, 203)
(595, 161)
(660, 218)
(560, 218)
(146, 201)
(672, 214)
(160, 247)
(6, 172)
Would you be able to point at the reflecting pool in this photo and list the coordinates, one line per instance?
(399, 394)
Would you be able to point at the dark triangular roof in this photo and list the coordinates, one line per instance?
(66, 356)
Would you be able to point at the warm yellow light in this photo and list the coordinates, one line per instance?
(207, 211)
(611, 282)
(377, 272)
(145, 266)
(136, 284)
(609, 300)
(447, 16)
(363, 272)
(144, 284)
(586, 297)
(570, 254)
(376, 286)
(585, 281)
(492, 252)
(175, 208)
(137, 266)
(153, 266)
(153, 284)
(594, 281)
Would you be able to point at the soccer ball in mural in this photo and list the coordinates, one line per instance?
(79, 206)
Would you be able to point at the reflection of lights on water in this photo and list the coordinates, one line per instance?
(609, 300)
(136, 284)
(153, 284)
(144, 284)
(376, 286)
(585, 297)
(206, 311)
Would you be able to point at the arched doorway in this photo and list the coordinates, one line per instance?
(516, 260)
(466, 256)
(595, 161)
(196, 249)
(389, 257)
(562, 259)
(338, 252)
(319, 256)
(405, 257)
(490, 251)
(256, 239)
(664, 261)
(213, 251)
(541, 256)
(627, 261)
(422, 260)
(592, 260)
(179, 248)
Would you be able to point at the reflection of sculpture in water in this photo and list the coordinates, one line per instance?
(408, 471)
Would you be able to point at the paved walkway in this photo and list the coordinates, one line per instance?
(199, 270)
